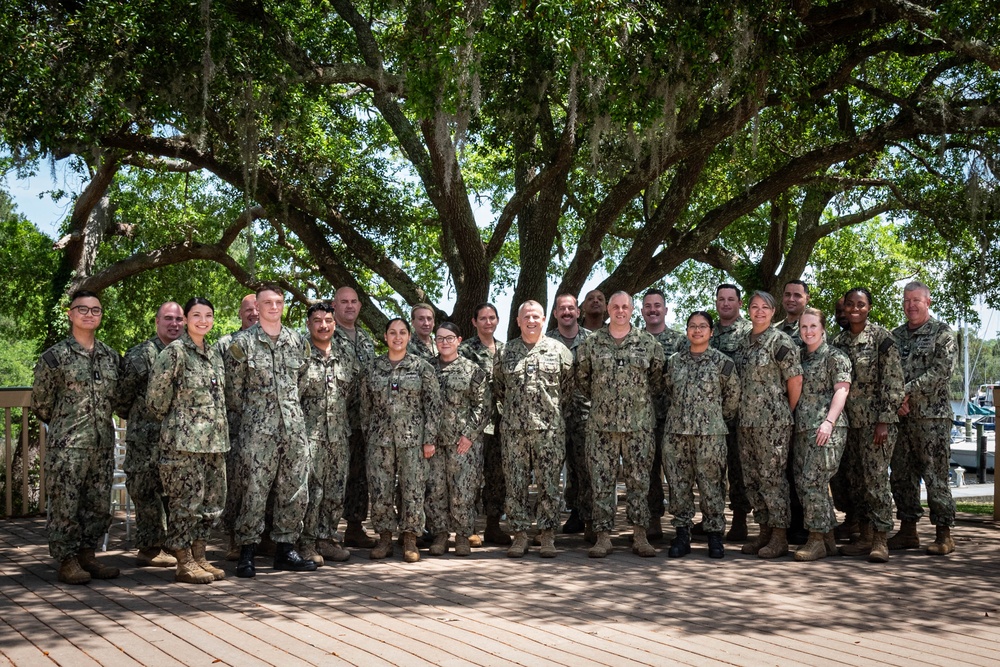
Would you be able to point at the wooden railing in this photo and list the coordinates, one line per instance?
(32, 490)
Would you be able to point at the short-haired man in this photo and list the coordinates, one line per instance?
(928, 351)
(577, 494)
(726, 335)
(654, 313)
(142, 439)
(75, 392)
(595, 310)
(620, 368)
(794, 299)
(354, 340)
(422, 343)
(532, 378)
(326, 383)
(262, 374)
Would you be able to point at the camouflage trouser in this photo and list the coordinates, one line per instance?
(868, 475)
(281, 462)
(142, 479)
(328, 466)
(657, 470)
(813, 467)
(576, 495)
(739, 501)
(386, 467)
(236, 483)
(765, 460)
(195, 485)
(453, 481)
(840, 489)
(541, 453)
(494, 482)
(636, 452)
(702, 459)
(923, 449)
(78, 488)
(356, 492)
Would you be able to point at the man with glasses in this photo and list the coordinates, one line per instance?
(75, 390)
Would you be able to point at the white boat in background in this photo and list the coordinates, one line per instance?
(963, 451)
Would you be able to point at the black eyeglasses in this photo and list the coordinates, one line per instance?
(88, 310)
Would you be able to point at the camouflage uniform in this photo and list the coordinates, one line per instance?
(534, 386)
(876, 393)
(142, 452)
(704, 393)
(622, 379)
(419, 348)
(361, 348)
(236, 479)
(262, 385)
(790, 329)
(494, 484)
(400, 407)
(725, 339)
(326, 384)
(187, 393)
(765, 365)
(576, 493)
(454, 479)
(814, 465)
(74, 393)
(923, 448)
(671, 341)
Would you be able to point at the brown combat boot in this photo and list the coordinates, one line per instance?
(738, 529)
(589, 534)
(548, 544)
(493, 533)
(776, 546)
(332, 551)
(198, 553)
(188, 571)
(440, 545)
(475, 541)
(848, 529)
(863, 545)
(942, 544)
(752, 547)
(813, 549)
(640, 543)
(654, 533)
(462, 546)
(518, 545)
(602, 546)
(410, 552)
(355, 536)
(906, 538)
(384, 547)
(880, 548)
(154, 557)
(307, 551)
(70, 572)
(830, 542)
(88, 561)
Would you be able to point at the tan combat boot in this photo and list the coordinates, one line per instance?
(813, 549)
(494, 535)
(548, 540)
(602, 546)
(154, 557)
(70, 572)
(518, 546)
(440, 545)
(88, 561)
(384, 547)
(462, 546)
(942, 544)
(475, 541)
(776, 546)
(863, 545)
(906, 538)
(307, 551)
(332, 551)
(355, 536)
(234, 548)
(880, 548)
(752, 547)
(188, 571)
(830, 542)
(640, 542)
(410, 552)
(738, 529)
(198, 553)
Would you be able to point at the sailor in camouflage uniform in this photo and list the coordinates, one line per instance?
(262, 373)
(74, 393)
(877, 392)
(187, 394)
(456, 470)
(771, 379)
(142, 439)
(928, 351)
(726, 335)
(327, 381)
(532, 380)
(421, 342)
(400, 407)
(704, 392)
(820, 433)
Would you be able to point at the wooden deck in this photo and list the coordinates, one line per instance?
(490, 610)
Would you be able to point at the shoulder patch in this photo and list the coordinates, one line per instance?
(782, 353)
(236, 352)
(886, 345)
(728, 367)
(50, 359)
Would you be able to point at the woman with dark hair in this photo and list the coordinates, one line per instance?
(456, 469)
(187, 393)
(400, 406)
(703, 392)
(877, 391)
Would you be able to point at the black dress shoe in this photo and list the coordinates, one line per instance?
(680, 545)
(245, 567)
(288, 559)
(715, 546)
